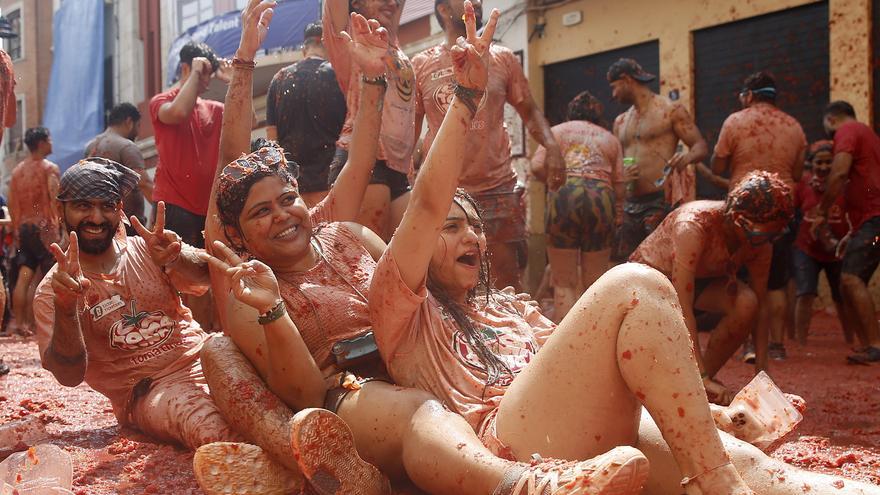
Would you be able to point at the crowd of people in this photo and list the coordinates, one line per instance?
(341, 304)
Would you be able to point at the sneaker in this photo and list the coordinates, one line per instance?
(324, 449)
(776, 351)
(4, 369)
(620, 471)
(868, 356)
(224, 468)
(749, 356)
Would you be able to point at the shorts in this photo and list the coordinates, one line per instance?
(580, 215)
(313, 178)
(862, 253)
(32, 251)
(178, 408)
(488, 434)
(504, 218)
(189, 226)
(780, 263)
(335, 395)
(641, 216)
(806, 274)
(396, 181)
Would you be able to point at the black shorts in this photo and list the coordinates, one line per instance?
(780, 264)
(313, 178)
(396, 181)
(32, 251)
(862, 253)
(806, 274)
(186, 224)
(641, 216)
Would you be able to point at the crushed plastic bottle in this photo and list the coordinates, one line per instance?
(764, 410)
(42, 470)
(16, 436)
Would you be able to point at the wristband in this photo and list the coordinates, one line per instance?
(273, 314)
(469, 96)
(375, 81)
(240, 63)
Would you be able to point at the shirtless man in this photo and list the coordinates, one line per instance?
(701, 247)
(650, 132)
(488, 174)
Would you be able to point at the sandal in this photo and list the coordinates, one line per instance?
(223, 468)
(620, 471)
(324, 449)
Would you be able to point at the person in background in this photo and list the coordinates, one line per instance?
(388, 193)
(488, 174)
(117, 143)
(32, 192)
(305, 111)
(7, 119)
(763, 137)
(855, 174)
(581, 214)
(813, 255)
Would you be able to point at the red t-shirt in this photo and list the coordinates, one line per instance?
(806, 198)
(188, 153)
(863, 190)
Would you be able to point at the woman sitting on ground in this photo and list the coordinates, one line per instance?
(569, 391)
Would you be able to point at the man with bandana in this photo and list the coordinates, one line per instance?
(763, 137)
(109, 312)
(488, 175)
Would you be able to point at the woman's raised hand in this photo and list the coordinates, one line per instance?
(252, 282)
(255, 19)
(470, 54)
(368, 45)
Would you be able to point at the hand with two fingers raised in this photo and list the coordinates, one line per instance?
(252, 282)
(68, 282)
(163, 245)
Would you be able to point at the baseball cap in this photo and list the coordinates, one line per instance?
(631, 68)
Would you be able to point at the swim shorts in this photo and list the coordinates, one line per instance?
(504, 218)
(580, 215)
(396, 181)
(862, 253)
(189, 226)
(32, 251)
(641, 216)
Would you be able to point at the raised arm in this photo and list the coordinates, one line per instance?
(179, 109)
(413, 243)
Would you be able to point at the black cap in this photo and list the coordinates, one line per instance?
(631, 68)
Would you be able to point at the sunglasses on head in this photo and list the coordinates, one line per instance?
(266, 158)
(758, 237)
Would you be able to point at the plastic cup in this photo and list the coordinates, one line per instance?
(774, 416)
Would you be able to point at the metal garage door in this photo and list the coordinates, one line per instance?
(564, 80)
(792, 44)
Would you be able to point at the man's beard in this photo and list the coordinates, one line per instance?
(95, 246)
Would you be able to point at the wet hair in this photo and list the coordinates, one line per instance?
(494, 367)
(123, 111)
(233, 193)
(762, 86)
(840, 108)
(587, 107)
(312, 34)
(34, 136)
(194, 49)
(762, 197)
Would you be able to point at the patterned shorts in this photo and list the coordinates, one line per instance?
(504, 214)
(580, 215)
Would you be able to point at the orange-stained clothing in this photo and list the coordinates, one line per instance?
(487, 152)
(589, 151)
(8, 111)
(762, 137)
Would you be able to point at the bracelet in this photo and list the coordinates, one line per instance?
(273, 314)
(690, 479)
(470, 97)
(375, 81)
(240, 63)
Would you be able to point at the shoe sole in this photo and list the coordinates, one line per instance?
(224, 468)
(324, 449)
(626, 478)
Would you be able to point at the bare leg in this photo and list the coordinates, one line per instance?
(505, 265)
(855, 292)
(803, 316)
(790, 298)
(374, 209)
(845, 323)
(624, 342)
(565, 280)
(313, 198)
(776, 311)
(593, 265)
(852, 321)
(739, 313)
(765, 475)
(20, 304)
(398, 207)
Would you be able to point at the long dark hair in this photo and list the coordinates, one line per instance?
(495, 368)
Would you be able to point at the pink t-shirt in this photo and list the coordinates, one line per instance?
(700, 224)
(29, 197)
(761, 137)
(397, 139)
(589, 151)
(487, 156)
(423, 348)
(133, 322)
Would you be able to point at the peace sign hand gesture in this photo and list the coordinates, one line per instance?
(470, 55)
(368, 45)
(252, 282)
(68, 282)
(163, 245)
(255, 19)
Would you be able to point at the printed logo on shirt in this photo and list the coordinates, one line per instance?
(441, 74)
(404, 79)
(513, 352)
(106, 307)
(141, 329)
